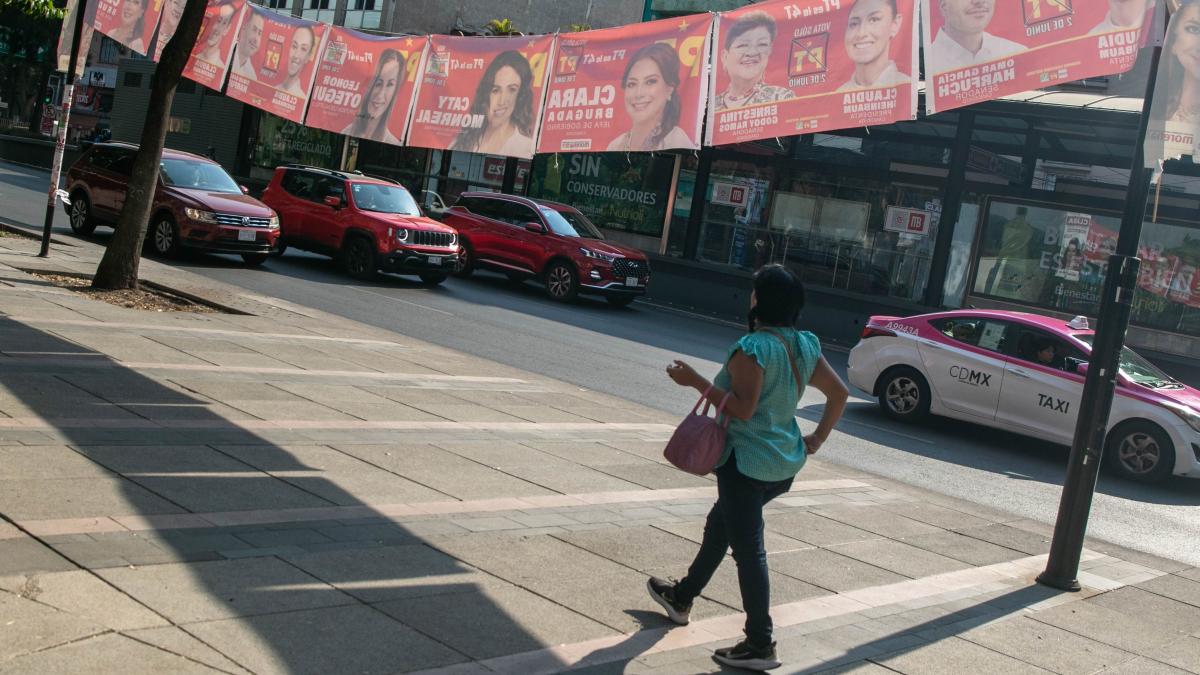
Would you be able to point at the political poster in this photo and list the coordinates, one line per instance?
(67, 32)
(364, 85)
(481, 94)
(275, 62)
(167, 25)
(209, 61)
(784, 68)
(128, 22)
(641, 87)
(1174, 126)
(978, 50)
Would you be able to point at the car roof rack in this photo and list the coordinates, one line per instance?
(318, 169)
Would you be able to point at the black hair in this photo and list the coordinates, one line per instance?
(748, 22)
(667, 62)
(779, 297)
(522, 115)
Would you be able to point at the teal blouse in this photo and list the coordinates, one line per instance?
(769, 444)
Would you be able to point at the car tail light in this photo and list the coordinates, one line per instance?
(874, 331)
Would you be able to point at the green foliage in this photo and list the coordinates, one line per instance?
(38, 9)
(493, 27)
(578, 27)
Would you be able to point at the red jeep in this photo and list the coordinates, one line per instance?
(367, 224)
(554, 243)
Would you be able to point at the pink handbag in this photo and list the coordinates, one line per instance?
(699, 440)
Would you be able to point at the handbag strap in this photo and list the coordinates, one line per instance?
(791, 359)
(707, 405)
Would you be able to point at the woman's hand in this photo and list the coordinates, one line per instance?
(684, 375)
(812, 443)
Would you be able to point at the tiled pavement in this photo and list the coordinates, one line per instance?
(288, 492)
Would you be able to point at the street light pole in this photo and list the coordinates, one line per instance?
(60, 142)
(1116, 303)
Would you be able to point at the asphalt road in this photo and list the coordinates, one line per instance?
(624, 351)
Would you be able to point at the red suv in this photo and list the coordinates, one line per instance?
(554, 243)
(367, 224)
(196, 205)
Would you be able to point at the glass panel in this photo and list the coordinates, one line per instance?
(282, 142)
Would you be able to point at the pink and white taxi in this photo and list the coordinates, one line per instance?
(1024, 373)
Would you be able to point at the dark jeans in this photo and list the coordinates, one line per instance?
(736, 521)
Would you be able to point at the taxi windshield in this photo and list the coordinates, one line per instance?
(1137, 368)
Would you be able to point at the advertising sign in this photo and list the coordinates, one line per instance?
(977, 50)
(783, 68)
(1175, 114)
(623, 192)
(171, 14)
(641, 87)
(275, 62)
(364, 86)
(128, 22)
(85, 39)
(209, 61)
(483, 95)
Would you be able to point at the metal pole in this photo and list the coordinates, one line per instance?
(648, 10)
(1116, 303)
(60, 143)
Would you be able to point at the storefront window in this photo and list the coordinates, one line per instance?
(1056, 258)
(681, 214)
(407, 165)
(626, 195)
(282, 142)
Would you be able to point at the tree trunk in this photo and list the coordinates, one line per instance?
(119, 267)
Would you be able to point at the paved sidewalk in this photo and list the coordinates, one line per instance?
(283, 491)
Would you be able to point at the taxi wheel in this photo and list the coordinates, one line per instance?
(1140, 451)
(904, 394)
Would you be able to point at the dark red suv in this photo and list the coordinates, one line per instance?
(551, 242)
(367, 224)
(196, 205)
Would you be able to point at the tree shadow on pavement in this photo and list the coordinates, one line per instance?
(312, 597)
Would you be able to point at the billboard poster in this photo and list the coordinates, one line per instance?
(1175, 113)
(85, 38)
(172, 12)
(128, 22)
(641, 87)
(275, 62)
(364, 85)
(209, 60)
(977, 50)
(481, 94)
(783, 68)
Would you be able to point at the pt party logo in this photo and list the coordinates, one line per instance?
(481, 95)
(365, 84)
(785, 68)
(977, 50)
(635, 88)
(275, 61)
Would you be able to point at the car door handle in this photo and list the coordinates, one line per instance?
(1019, 373)
(933, 344)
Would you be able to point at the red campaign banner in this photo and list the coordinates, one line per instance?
(783, 68)
(483, 95)
(365, 84)
(171, 14)
(67, 32)
(978, 50)
(209, 61)
(128, 22)
(1172, 273)
(275, 61)
(641, 87)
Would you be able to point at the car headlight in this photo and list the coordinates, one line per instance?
(402, 234)
(1190, 416)
(597, 255)
(200, 216)
(453, 240)
(273, 223)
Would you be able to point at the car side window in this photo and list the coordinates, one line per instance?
(329, 187)
(123, 163)
(102, 158)
(979, 332)
(298, 184)
(488, 208)
(1041, 348)
(516, 214)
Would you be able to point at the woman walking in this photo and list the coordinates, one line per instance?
(765, 374)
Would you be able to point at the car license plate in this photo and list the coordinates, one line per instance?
(435, 260)
(247, 235)
(631, 281)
